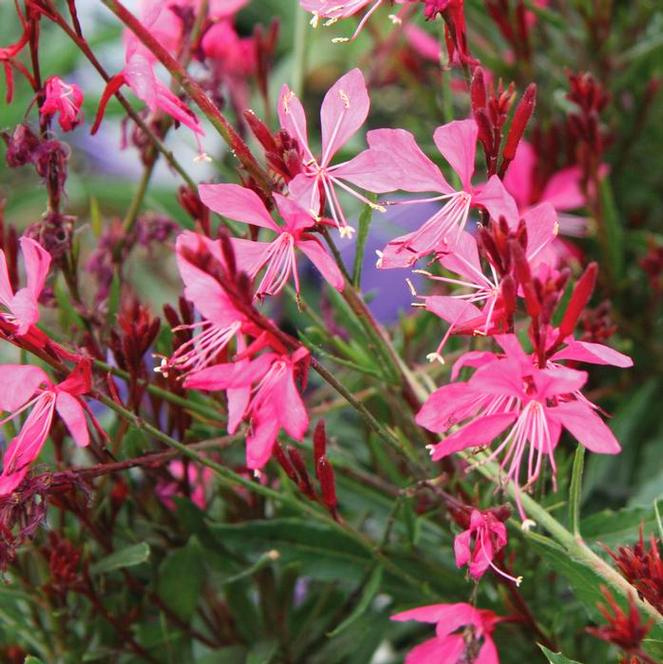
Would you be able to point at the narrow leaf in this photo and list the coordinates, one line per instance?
(575, 490)
(557, 658)
(364, 224)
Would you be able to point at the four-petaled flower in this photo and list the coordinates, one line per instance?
(512, 396)
(23, 387)
(21, 308)
(402, 165)
(449, 645)
(343, 111)
(489, 536)
(65, 99)
(278, 256)
(264, 391)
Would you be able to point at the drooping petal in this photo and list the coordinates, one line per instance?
(71, 411)
(474, 359)
(402, 165)
(238, 203)
(479, 432)
(463, 259)
(19, 383)
(462, 551)
(290, 408)
(366, 171)
(586, 351)
(488, 653)
(229, 375)
(25, 309)
(296, 218)
(585, 426)
(305, 190)
(238, 400)
(457, 141)
(451, 615)
(318, 255)
(37, 263)
(261, 439)
(497, 200)
(558, 380)
(451, 309)
(440, 651)
(344, 110)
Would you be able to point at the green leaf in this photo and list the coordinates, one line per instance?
(364, 223)
(262, 652)
(653, 647)
(613, 231)
(127, 557)
(370, 591)
(181, 578)
(575, 489)
(618, 527)
(557, 658)
(30, 659)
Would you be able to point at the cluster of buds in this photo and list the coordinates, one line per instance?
(490, 108)
(294, 466)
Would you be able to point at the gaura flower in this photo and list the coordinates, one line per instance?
(64, 99)
(24, 387)
(449, 645)
(402, 165)
(221, 320)
(264, 391)
(198, 478)
(139, 75)
(343, 111)
(278, 256)
(477, 546)
(527, 407)
(21, 308)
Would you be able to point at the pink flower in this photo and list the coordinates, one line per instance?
(23, 387)
(510, 395)
(489, 535)
(139, 75)
(65, 99)
(198, 479)
(402, 165)
(221, 321)
(333, 10)
(22, 308)
(343, 111)
(450, 646)
(278, 256)
(264, 391)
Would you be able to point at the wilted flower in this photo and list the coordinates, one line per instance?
(64, 99)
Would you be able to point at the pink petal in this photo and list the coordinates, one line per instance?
(464, 260)
(585, 351)
(291, 410)
(481, 431)
(71, 411)
(462, 551)
(26, 310)
(318, 255)
(171, 104)
(37, 263)
(585, 426)
(6, 292)
(238, 400)
(474, 359)
(305, 190)
(502, 377)
(446, 406)
(452, 309)
(457, 141)
(229, 375)
(292, 116)
(261, 439)
(542, 225)
(558, 380)
(238, 203)
(19, 383)
(225, 8)
(343, 112)
(250, 256)
(439, 651)
(518, 178)
(402, 165)
(497, 200)
(454, 614)
(367, 171)
(488, 653)
(563, 190)
(296, 218)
